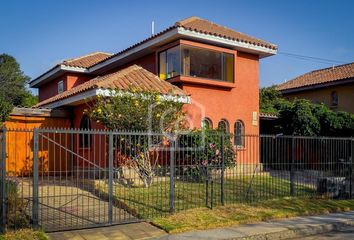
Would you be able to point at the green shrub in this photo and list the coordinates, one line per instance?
(200, 153)
(15, 207)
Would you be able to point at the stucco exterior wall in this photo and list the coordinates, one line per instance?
(323, 95)
(19, 142)
(70, 80)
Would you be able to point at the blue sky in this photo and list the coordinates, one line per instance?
(42, 33)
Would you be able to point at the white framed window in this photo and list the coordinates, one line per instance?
(60, 86)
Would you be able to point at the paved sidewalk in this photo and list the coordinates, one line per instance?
(126, 231)
(282, 229)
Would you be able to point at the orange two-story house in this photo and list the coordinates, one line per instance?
(217, 67)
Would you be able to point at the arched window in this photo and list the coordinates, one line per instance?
(334, 99)
(207, 123)
(85, 138)
(239, 134)
(224, 126)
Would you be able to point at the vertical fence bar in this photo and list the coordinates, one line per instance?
(3, 180)
(292, 159)
(35, 180)
(222, 195)
(172, 175)
(351, 168)
(110, 178)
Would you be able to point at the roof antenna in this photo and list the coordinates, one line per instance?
(152, 28)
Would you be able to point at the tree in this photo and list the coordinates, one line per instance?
(13, 90)
(139, 111)
(297, 118)
(301, 117)
(268, 99)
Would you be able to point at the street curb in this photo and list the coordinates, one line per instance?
(297, 232)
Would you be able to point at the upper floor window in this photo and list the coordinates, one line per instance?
(196, 62)
(60, 86)
(170, 63)
(334, 99)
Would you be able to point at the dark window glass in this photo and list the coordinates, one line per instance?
(196, 62)
(85, 138)
(223, 126)
(207, 123)
(239, 134)
(334, 99)
(170, 63)
(205, 63)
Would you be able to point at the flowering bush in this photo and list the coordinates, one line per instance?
(201, 153)
(139, 111)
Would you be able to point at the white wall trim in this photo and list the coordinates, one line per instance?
(180, 31)
(88, 95)
(56, 70)
(237, 44)
(85, 96)
(138, 48)
(164, 97)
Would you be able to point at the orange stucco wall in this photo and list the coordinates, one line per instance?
(19, 146)
(323, 95)
(235, 103)
(70, 80)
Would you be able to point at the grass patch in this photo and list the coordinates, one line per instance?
(24, 234)
(235, 214)
(154, 201)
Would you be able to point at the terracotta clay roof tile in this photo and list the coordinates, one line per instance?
(86, 61)
(320, 76)
(197, 24)
(133, 76)
(204, 26)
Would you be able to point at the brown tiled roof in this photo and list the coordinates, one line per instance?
(320, 76)
(204, 26)
(131, 77)
(87, 61)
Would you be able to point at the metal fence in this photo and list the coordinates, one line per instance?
(59, 179)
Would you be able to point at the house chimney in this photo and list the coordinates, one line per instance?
(152, 28)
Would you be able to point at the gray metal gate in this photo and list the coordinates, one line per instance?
(61, 179)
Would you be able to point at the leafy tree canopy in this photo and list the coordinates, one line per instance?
(301, 117)
(139, 111)
(13, 90)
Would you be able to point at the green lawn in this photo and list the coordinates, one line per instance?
(234, 214)
(153, 201)
(24, 234)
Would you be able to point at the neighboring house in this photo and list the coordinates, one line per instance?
(216, 67)
(333, 86)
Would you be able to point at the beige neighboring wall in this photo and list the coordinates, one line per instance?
(323, 95)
